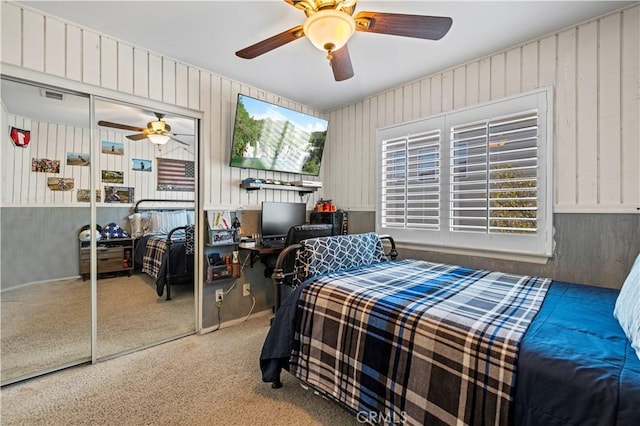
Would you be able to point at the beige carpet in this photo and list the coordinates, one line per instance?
(45, 325)
(212, 379)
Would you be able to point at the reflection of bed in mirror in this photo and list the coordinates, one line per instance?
(164, 242)
(417, 342)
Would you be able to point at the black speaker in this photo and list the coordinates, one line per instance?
(338, 219)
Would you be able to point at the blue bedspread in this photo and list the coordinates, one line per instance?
(576, 366)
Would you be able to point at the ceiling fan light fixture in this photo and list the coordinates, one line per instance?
(157, 126)
(159, 139)
(329, 29)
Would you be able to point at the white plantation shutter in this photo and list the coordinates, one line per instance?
(477, 178)
(494, 175)
(411, 181)
(394, 190)
(469, 177)
(513, 176)
(423, 181)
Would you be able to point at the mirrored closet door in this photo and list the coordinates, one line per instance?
(73, 171)
(46, 169)
(146, 159)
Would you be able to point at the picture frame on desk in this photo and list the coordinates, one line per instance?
(221, 237)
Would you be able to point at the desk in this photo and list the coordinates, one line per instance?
(259, 252)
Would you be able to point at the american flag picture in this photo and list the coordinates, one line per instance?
(175, 175)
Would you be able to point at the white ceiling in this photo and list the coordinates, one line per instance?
(208, 33)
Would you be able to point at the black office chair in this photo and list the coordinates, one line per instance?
(283, 272)
(298, 233)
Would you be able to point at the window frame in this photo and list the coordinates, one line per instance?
(514, 246)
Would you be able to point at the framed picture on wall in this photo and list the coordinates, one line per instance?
(118, 194)
(78, 159)
(140, 165)
(112, 148)
(112, 176)
(84, 195)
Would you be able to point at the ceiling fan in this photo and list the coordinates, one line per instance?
(158, 132)
(330, 24)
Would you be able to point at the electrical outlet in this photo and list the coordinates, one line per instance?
(219, 295)
(246, 289)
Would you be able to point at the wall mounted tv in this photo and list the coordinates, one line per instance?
(270, 137)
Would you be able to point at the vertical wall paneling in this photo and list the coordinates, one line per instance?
(182, 85)
(407, 102)
(630, 124)
(108, 63)
(90, 58)
(140, 73)
(73, 53)
(459, 87)
(354, 157)
(447, 91)
(416, 100)
(577, 62)
(194, 89)
(54, 61)
(513, 79)
(436, 94)
(425, 99)
(498, 76)
(155, 77)
(220, 144)
(472, 84)
(609, 178)
(529, 66)
(205, 137)
(587, 113)
(484, 80)
(168, 80)
(368, 153)
(11, 40)
(33, 40)
(547, 61)
(125, 68)
(566, 119)
(593, 69)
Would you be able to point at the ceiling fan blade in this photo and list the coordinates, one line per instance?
(179, 141)
(137, 137)
(417, 26)
(271, 43)
(341, 64)
(120, 126)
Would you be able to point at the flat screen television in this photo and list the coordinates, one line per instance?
(278, 218)
(270, 137)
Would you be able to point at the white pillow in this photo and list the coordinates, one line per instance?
(191, 217)
(627, 309)
(138, 222)
(164, 222)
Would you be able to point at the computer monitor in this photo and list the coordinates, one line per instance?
(278, 218)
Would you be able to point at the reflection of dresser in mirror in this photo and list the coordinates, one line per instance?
(114, 256)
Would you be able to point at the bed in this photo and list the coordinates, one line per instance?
(415, 342)
(164, 248)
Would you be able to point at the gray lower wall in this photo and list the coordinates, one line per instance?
(594, 249)
(41, 243)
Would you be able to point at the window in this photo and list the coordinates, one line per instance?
(477, 178)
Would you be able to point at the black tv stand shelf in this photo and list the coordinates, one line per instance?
(254, 186)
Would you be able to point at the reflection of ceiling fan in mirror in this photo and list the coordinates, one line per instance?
(330, 24)
(158, 132)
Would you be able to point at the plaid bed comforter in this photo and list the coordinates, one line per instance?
(153, 255)
(416, 342)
